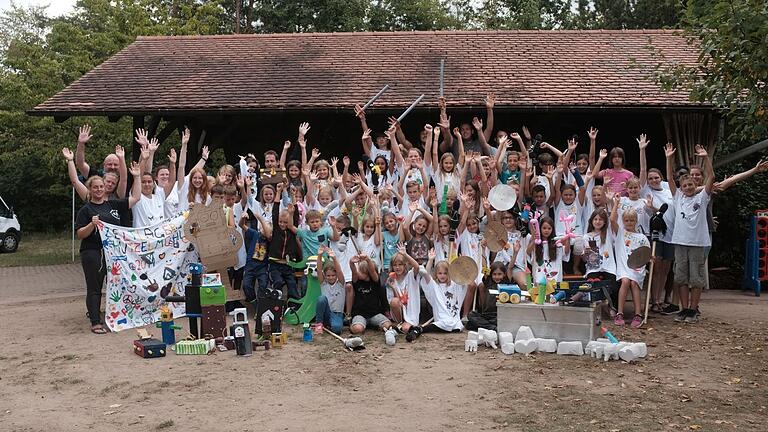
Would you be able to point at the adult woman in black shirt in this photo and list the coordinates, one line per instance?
(98, 209)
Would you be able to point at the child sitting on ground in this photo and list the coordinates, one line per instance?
(330, 305)
(367, 303)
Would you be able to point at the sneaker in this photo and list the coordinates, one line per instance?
(318, 328)
(680, 317)
(637, 321)
(670, 309)
(698, 312)
(389, 336)
(413, 333)
(692, 317)
(619, 320)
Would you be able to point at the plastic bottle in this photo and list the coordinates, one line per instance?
(608, 335)
(307, 333)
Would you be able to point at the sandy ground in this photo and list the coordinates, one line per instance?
(56, 376)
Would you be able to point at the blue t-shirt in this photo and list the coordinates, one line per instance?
(311, 240)
(390, 246)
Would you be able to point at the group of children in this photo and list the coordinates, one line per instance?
(384, 232)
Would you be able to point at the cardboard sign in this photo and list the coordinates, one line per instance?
(272, 176)
(216, 242)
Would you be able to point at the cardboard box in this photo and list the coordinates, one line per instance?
(149, 348)
(562, 323)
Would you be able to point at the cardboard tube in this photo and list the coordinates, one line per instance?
(413, 105)
(378, 95)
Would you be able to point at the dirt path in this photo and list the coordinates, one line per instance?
(54, 375)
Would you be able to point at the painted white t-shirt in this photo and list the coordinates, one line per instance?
(149, 211)
(410, 285)
(663, 196)
(691, 227)
(547, 269)
(598, 256)
(469, 244)
(626, 242)
(639, 205)
(446, 300)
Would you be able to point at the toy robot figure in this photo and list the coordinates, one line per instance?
(241, 332)
(167, 326)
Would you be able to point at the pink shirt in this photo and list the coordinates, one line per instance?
(616, 180)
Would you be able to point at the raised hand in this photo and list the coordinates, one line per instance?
(366, 135)
(503, 141)
(303, 129)
(313, 176)
(153, 145)
(240, 182)
(356, 178)
(135, 170)
(359, 111)
(185, 136)
(669, 150)
(206, 153)
(431, 254)
(315, 153)
(67, 154)
(526, 133)
(145, 153)
(642, 142)
(762, 165)
(700, 151)
(477, 123)
(345, 160)
(516, 136)
(120, 151)
(490, 100)
(603, 153)
(172, 156)
(287, 145)
(360, 166)
(393, 122)
(84, 135)
(334, 161)
(445, 121)
(428, 127)
(592, 132)
(572, 144)
(413, 206)
(457, 132)
(305, 171)
(649, 201)
(401, 248)
(141, 137)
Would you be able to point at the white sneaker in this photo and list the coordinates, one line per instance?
(389, 336)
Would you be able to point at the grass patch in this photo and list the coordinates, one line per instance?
(36, 249)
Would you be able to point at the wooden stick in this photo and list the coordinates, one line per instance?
(650, 282)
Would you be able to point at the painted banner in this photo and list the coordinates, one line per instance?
(144, 265)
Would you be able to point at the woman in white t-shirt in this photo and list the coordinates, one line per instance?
(547, 256)
(193, 188)
(627, 241)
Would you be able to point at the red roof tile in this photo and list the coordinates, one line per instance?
(335, 70)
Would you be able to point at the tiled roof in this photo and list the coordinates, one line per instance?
(335, 70)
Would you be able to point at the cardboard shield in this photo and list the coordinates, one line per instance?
(502, 197)
(463, 270)
(495, 236)
(639, 257)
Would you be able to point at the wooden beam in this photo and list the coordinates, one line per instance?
(114, 118)
(60, 119)
(154, 122)
(175, 124)
(138, 123)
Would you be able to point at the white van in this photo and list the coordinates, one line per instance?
(10, 230)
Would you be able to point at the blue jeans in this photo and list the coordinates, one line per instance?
(324, 314)
(255, 271)
(283, 279)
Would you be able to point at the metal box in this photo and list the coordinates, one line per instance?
(562, 323)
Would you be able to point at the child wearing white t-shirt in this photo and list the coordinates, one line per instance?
(627, 241)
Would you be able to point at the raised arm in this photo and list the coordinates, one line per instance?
(399, 132)
(478, 125)
(761, 166)
(709, 172)
(182, 158)
(136, 188)
(462, 156)
(642, 143)
(429, 160)
(79, 187)
(501, 153)
(122, 171)
(669, 153)
(490, 100)
(83, 136)
(409, 259)
(592, 132)
(615, 213)
(445, 125)
(284, 153)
